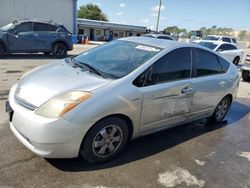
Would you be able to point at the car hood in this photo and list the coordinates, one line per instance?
(43, 83)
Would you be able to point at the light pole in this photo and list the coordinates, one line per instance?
(158, 18)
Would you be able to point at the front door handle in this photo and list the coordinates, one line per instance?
(187, 90)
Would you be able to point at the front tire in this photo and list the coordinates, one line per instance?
(221, 110)
(245, 75)
(104, 140)
(59, 50)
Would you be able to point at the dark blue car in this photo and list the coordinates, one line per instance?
(31, 36)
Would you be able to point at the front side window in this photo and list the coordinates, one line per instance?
(164, 37)
(24, 27)
(222, 48)
(118, 58)
(175, 65)
(224, 64)
(234, 40)
(206, 63)
(231, 47)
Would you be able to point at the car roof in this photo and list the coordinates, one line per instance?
(40, 21)
(217, 42)
(157, 42)
(221, 36)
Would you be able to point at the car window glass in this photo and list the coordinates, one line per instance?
(24, 27)
(164, 37)
(231, 47)
(225, 65)
(44, 27)
(223, 47)
(234, 40)
(206, 63)
(173, 66)
(225, 39)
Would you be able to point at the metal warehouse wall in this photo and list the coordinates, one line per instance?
(60, 11)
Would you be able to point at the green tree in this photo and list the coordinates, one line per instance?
(92, 12)
(174, 29)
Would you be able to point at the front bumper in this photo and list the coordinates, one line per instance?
(50, 138)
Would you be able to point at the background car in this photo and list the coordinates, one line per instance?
(246, 69)
(92, 104)
(32, 36)
(159, 36)
(218, 38)
(231, 52)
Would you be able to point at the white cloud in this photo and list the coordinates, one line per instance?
(98, 4)
(122, 5)
(156, 8)
(145, 20)
(119, 13)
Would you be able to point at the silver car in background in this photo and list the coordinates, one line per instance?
(92, 104)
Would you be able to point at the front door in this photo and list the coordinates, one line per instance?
(167, 94)
(21, 39)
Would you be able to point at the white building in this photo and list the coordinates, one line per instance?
(59, 11)
(102, 30)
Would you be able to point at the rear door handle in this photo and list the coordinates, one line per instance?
(187, 90)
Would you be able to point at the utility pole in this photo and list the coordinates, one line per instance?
(158, 18)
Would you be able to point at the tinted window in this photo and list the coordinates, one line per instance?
(231, 47)
(206, 63)
(222, 47)
(225, 65)
(211, 38)
(44, 27)
(24, 27)
(234, 40)
(209, 45)
(173, 66)
(225, 39)
(164, 37)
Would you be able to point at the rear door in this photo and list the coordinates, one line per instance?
(209, 83)
(21, 39)
(45, 35)
(167, 93)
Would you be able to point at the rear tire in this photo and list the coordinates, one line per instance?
(236, 60)
(245, 75)
(104, 140)
(221, 110)
(59, 50)
(2, 50)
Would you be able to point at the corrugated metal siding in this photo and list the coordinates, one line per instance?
(60, 11)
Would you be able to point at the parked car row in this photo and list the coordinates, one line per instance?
(31, 36)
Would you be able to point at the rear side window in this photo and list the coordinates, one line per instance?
(231, 47)
(224, 64)
(24, 27)
(44, 27)
(175, 65)
(206, 63)
(164, 37)
(226, 39)
(234, 40)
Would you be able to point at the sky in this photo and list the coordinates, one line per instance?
(189, 14)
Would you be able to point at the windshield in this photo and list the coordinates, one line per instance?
(209, 45)
(118, 58)
(211, 38)
(150, 36)
(7, 27)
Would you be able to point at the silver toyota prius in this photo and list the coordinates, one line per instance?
(94, 103)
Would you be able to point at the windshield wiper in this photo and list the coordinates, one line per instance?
(91, 69)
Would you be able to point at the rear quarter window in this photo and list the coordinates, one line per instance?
(224, 64)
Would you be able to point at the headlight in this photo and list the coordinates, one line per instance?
(58, 106)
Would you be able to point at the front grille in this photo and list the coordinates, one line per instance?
(25, 104)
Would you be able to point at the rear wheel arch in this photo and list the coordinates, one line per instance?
(59, 42)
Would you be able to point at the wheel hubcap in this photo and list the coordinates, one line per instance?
(60, 50)
(222, 109)
(107, 141)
